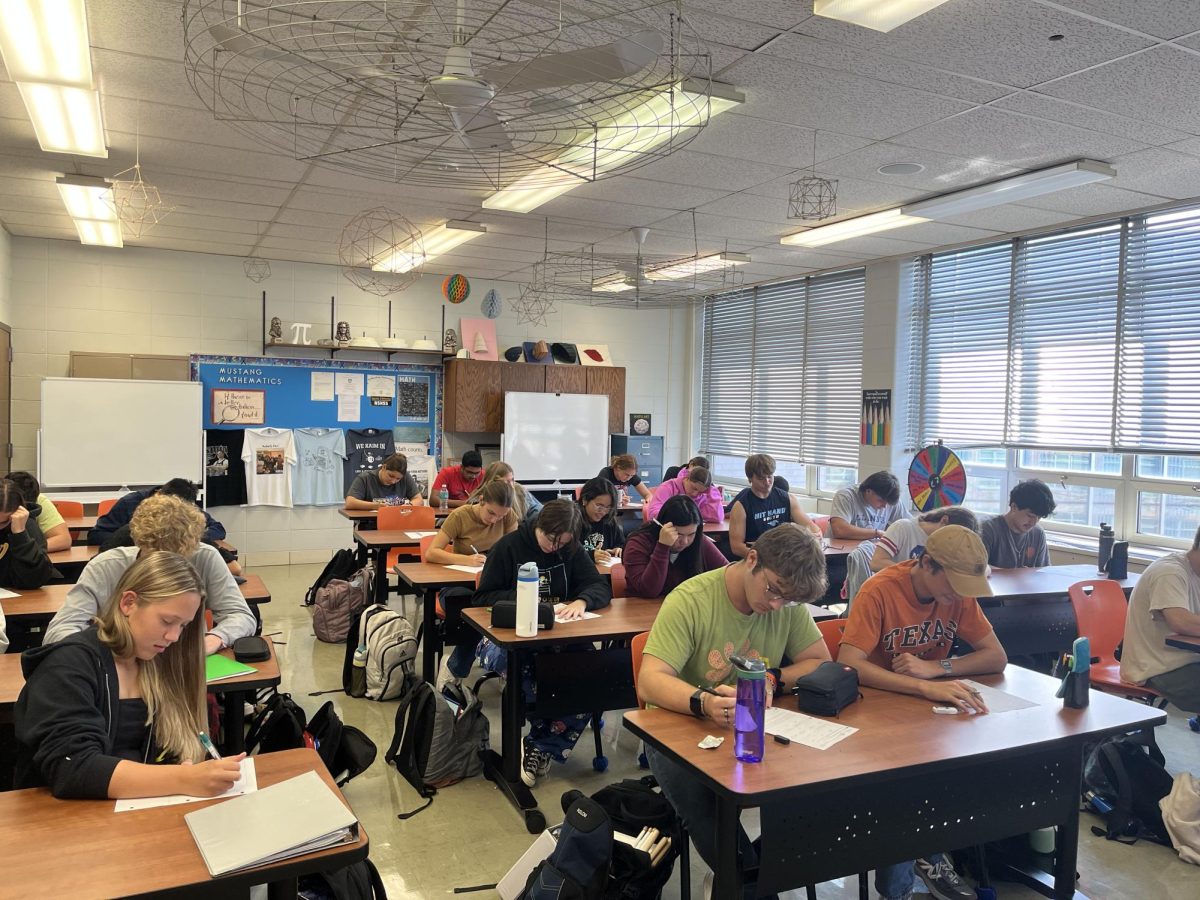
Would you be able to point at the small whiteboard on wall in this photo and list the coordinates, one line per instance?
(109, 432)
(550, 437)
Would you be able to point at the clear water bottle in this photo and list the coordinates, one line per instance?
(1107, 538)
(443, 497)
(749, 716)
(527, 600)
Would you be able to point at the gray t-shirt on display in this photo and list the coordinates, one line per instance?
(849, 504)
(1009, 550)
(367, 486)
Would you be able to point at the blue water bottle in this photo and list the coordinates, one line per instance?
(749, 716)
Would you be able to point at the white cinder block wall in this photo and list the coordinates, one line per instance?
(63, 296)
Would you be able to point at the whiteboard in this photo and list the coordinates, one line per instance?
(106, 432)
(550, 437)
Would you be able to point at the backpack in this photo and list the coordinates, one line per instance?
(344, 749)
(342, 565)
(578, 868)
(337, 604)
(357, 881)
(634, 804)
(432, 747)
(279, 725)
(391, 649)
(1126, 773)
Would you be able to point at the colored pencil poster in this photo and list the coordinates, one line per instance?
(876, 418)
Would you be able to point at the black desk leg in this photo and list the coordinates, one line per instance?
(727, 881)
(283, 889)
(235, 721)
(429, 636)
(1066, 838)
(381, 576)
(505, 770)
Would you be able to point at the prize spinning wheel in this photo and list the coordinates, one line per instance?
(936, 478)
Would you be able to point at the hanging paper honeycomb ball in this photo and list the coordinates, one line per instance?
(491, 305)
(456, 288)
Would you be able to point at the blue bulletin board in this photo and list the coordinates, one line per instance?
(250, 391)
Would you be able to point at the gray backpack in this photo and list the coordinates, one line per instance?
(391, 650)
(339, 602)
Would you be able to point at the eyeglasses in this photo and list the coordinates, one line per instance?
(778, 594)
(558, 542)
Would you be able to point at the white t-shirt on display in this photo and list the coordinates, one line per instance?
(270, 457)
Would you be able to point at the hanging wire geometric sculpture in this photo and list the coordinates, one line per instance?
(812, 197)
(137, 204)
(533, 305)
(257, 270)
(474, 93)
(376, 242)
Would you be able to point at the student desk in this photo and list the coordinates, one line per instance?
(379, 543)
(1184, 642)
(101, 853)
(1031, 611)
(607, 683)
(70, 562)
(365, 518)
(908, 783)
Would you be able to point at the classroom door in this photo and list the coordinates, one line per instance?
(6, 395)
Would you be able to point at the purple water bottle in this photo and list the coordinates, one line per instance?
(749, 716)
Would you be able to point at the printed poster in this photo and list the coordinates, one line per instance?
(321, 389)
(412, 398)
(876, 418)
(381, 389)
(239, 407)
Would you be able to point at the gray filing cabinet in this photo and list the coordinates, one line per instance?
(647, 449)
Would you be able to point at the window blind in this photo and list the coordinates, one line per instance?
(782, 370)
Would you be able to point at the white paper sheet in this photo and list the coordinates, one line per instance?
(381, 385)
(349, 383)
(247, 783)
(348, 407)
(321, 387)
(807, 730)
(474, 570)
(996, 700)
(559, 607)
(6, 594)
(417, 535)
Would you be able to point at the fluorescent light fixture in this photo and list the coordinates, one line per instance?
(630, 133)
(85, 197)
(46, 42)
(440, 240)
(878, 15)
(1012, 190)
(851, 228)
(99, 234)
(689, 268)
(613, 284)
(65, 119)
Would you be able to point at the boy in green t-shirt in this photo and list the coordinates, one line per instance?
(754, 607)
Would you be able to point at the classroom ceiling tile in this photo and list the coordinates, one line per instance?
(1084, 115)
(938, 234)
(1144, 86)
(601, 211)
(750, 206)
(778, 14)
(156, 30)
(853, 196)
(1162, 18)
(818, 258)
(1094, 200)
(701, 169)
(642, 191)
(723, 226)
(1158, 171)
(715, 28)
(942, 173)
(748, 137)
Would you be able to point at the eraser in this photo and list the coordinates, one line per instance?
(946, 710)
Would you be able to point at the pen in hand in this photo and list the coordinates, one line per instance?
(207, 744)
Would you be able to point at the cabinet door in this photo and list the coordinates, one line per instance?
(527, 377)
(566, 380)
(473, 395)
(610, 381)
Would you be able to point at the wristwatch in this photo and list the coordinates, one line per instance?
(948, 666)
(697, 703)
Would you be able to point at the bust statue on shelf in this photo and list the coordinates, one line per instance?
(276, 331)
(343, 333)
(450, 344)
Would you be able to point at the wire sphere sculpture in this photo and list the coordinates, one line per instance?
(381, 251)
(138, 204)
(257, 270)
(813, 198)
(474, 93)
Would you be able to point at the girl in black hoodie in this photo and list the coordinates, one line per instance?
(23, 559)
(566, 575)
(603, 536)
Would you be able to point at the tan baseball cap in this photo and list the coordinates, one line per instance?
(961, 553)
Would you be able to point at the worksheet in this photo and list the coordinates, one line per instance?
(807, 730)
(996, 700)
(247, 783)
(558, 608)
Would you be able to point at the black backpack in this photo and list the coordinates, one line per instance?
(279, 725)
(344, 749)
(578, 869)
(634, 804)
(357, 881)
(1126, 773)
(342, 566)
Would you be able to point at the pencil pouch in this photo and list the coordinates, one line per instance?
(827, 690)
(504, 615)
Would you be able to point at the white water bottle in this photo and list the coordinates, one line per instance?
(527, 600)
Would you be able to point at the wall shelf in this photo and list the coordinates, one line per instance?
(333, 351)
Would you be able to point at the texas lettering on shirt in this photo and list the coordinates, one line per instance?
(927, 635)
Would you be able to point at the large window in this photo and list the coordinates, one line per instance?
(1073, 357)
(782, 374)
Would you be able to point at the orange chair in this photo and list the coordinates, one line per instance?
(404, 518)
(578, 491)
(617, 576)
(104, 506)
(821, 522)
(831, 630)
(1100, 610)
(426, 543)
(69, 509)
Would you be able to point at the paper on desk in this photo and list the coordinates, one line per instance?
(474, 570)
(559, 607)
(998, 701)
(417, 535)
(610, 562)
(247, 783)
(6, 594)
(807, 730)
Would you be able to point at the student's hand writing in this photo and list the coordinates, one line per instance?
(476, 559)
(668, 534)
(602, 556)
(954, 693)
(19, 518)
(211, 777)
(572, 611)
(720, 708)
(615, 552)
(915, 667)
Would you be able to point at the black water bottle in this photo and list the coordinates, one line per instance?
(1118, 563)
(1107, 537)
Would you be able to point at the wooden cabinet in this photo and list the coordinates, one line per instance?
(474, 390)
(610, 381)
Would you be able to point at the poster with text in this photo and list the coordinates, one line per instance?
(412, 398)
(876, 418)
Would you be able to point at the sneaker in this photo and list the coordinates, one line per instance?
(535, 764)
(445, 676)
(941, 879)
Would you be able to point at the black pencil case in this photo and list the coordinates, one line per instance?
(827, 690)
(504, 615)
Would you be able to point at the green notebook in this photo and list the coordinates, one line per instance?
(218, 668)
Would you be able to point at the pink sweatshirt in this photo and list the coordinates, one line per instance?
(712, 508)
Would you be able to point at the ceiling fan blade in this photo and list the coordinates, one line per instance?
(607, 62)
(480, 129)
